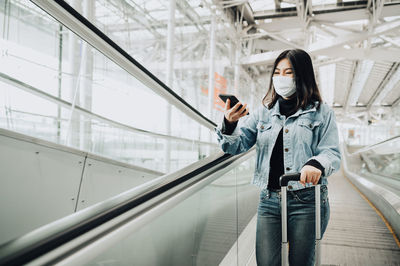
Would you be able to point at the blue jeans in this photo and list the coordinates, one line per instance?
(301, 226)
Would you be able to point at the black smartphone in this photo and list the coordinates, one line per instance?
(232, 98)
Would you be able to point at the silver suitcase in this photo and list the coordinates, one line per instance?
(284, 180)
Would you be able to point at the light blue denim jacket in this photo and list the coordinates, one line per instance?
(307, 134)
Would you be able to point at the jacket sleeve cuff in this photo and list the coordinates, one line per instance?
(228, 127)
(316, 164)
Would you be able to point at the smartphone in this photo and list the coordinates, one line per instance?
(232, 98)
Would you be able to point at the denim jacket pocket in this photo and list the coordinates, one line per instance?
(306, 130)
(308, 124)
(264, 132)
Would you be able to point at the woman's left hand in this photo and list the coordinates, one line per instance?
(310, 174)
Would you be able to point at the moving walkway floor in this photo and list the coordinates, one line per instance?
(356, 234)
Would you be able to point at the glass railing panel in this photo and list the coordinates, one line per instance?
(69, 69)
(359, 134)
(384, 159)
(141, 29)
(248, 197)
(34, 116)
(58, 88)
(200, 230)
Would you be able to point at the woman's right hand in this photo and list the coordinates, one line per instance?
(234, 114)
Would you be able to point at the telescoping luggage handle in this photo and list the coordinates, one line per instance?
(283, 181)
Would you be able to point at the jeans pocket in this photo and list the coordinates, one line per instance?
(263, 195)
(304, 196)
(307, 195)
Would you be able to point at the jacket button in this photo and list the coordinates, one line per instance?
(286, 149)
(262, 127)
(290, 187)
(287, 168)
(310, 125)
(286, 130)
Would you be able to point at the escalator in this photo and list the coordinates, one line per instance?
(192, 216)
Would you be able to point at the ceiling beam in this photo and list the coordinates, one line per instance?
(351, 38)
(185, 65)
(318, 63)
(324, 29)
(339, 53)
(188, 11)
(331, 12)
(324, 46)
(382, 84)
(270, 44)
(375, 54)
(349, 84)
(161, 24)
(131, 11)
(361, 74)
(330, 24)
(390, 40)
(391, 83)
(273, 36)
(278, 25)
(396, 102)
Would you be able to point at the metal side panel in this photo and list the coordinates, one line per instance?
(102, 180)
(38, 185)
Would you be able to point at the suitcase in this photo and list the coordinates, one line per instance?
(284, 180)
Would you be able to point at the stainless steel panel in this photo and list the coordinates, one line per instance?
(37, 185)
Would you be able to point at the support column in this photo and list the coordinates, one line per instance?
(237, 70)
(74, 60)
(211, 69)
(60, 50)
(211, 73)
(86, 83)
(252, 94)
(170, 73)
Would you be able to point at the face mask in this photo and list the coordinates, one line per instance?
(284, 86)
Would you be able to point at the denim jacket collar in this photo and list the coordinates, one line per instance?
(309, 108)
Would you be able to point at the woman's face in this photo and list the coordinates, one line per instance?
(284, 68)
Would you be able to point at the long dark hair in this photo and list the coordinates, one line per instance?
(307, 91)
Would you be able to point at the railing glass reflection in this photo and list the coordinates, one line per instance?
(201, 230)
(383, 159)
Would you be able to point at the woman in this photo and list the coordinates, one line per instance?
(294, 133)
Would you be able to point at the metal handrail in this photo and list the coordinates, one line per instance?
(68, 149)
(35, 91)
(374, 146)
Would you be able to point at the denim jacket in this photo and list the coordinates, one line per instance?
(307, 134)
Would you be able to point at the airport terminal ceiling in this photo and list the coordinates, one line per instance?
(355, 46)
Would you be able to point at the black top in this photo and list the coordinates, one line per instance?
(286, 108)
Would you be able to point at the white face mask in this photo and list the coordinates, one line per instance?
(284, 86)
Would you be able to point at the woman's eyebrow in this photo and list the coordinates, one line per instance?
(284, 68)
